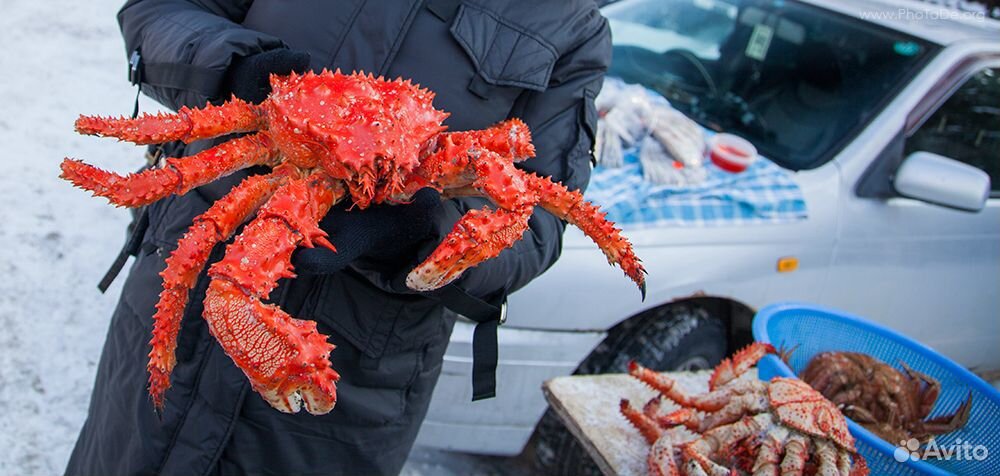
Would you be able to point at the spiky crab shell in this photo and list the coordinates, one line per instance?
(800, 407)
(354, 121)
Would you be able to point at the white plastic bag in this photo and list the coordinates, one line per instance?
(671, 146)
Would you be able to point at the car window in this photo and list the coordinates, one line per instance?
(796, 80)
(967, 126)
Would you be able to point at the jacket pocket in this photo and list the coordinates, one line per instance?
(507, 57)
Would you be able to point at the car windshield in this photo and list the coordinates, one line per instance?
(796, 80)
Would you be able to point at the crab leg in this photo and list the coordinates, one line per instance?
(661, 455)
(731, 368)
(570, 206)
(826, 454)
(184, 265)
(285, 359)
(741, 395)
(661, 460)
(476, 237)
(449, 170)
(947, 423)
(769, 456)
(796, 454)
(860, 465)
(668, 388)
(187, 125)
(683, 416)
(696, 453)
(844, 463)
(640, 420)
(739, 406)
(482, 234)
(177, 176)
(924, 390)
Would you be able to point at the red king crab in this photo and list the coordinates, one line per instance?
(327, 137)
(762, 428)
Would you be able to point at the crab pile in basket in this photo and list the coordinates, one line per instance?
(743, 425)
(891, 404)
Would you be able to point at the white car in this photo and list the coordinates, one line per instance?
(887, 117)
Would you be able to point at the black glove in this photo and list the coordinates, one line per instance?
(384, 237)
(247, 77)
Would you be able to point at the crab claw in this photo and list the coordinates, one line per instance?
(286, 359)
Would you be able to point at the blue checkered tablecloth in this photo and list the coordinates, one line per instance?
(762, 194)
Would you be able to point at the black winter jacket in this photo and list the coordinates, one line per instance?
(542, 61)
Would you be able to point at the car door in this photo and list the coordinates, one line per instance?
(929, 271)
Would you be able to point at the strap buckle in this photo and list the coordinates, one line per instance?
(503, 313)
(134, 63)
(135, 77)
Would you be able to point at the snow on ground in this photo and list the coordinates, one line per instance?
(62, 58)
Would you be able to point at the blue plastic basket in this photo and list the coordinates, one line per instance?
(813, 329)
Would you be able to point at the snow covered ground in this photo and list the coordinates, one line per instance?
(62, 58)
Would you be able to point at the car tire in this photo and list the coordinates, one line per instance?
(675, 337)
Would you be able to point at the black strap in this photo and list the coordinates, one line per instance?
(484, 338)
(131, 248)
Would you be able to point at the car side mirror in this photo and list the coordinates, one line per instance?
(936, 179)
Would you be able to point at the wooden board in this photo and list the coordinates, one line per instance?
(588, 405)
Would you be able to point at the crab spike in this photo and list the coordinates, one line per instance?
(177, 176)
(184, 265)
(325, 243)
(739, 363)
(285, 359)
(187, 125)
